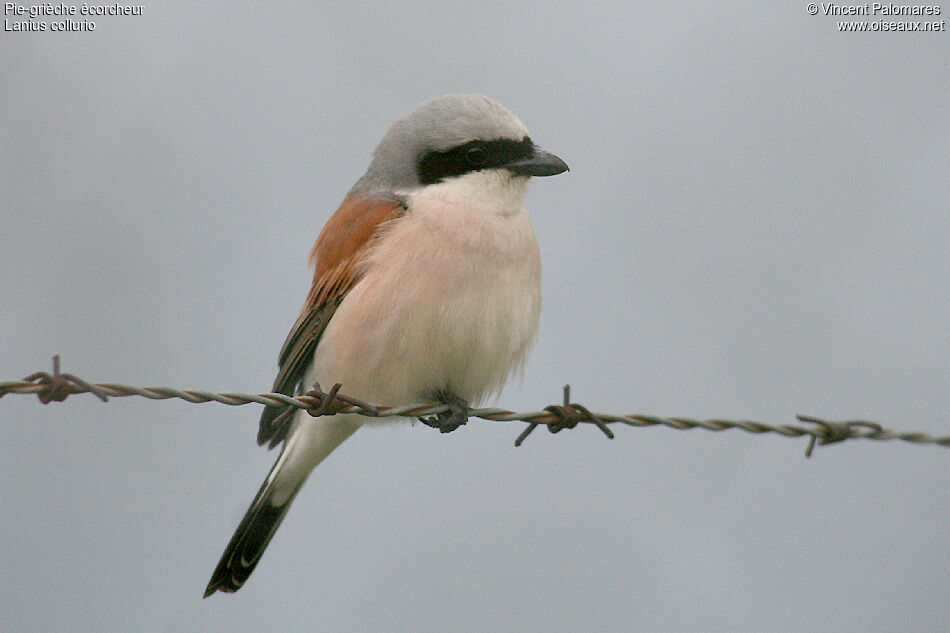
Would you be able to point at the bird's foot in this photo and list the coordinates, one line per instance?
(448, 421)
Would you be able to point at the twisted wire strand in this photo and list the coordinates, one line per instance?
(58, 386)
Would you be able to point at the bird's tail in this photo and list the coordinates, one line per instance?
(307, 447)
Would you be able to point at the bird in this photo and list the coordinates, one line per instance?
(426, 286)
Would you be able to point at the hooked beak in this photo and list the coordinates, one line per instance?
(540, 163)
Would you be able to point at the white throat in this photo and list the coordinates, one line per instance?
(487, 192)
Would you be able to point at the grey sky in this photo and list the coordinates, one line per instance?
(755, 225)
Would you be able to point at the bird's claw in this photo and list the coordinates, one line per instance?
(448, 421)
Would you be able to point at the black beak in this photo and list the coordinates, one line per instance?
(539, 163)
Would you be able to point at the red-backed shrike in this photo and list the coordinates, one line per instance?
(426, 287)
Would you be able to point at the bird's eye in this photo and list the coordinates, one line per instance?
(476, 156)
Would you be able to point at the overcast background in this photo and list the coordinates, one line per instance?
(756, 224)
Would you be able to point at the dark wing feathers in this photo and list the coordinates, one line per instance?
(336, 257)
(295, 356)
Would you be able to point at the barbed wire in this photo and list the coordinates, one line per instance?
(58, 386)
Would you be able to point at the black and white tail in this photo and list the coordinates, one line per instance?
(250, 539)
(308, 445)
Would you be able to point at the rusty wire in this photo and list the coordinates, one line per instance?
(58, 386)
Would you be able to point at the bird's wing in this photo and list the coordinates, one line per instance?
(336, 256)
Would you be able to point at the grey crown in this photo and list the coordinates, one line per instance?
(437, 125)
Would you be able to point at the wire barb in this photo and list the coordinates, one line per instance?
(830, 432)
(568, 415)
(57, 386)
(334, 402)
